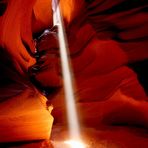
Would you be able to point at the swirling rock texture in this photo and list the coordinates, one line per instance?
(24, 114)
(104, 37)
(99, 61)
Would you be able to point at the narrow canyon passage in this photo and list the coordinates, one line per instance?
(108, 52)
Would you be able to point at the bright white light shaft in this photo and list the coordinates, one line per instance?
(68, 87)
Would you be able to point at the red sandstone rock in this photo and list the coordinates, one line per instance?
(23, 114)
(16, 31)
(25, 117)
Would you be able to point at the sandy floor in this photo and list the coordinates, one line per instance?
(111, 137)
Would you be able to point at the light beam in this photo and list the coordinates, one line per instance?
(66, 71)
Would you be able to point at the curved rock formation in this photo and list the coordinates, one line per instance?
(24, 114)
(100, 68)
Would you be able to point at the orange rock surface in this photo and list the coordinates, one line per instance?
(24, 117)
(24, 114)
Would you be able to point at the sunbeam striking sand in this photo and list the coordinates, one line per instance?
(67, 79)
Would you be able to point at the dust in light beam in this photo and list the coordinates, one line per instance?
(67, 79)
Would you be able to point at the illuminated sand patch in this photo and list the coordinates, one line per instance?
(75, 144)
(69, 144)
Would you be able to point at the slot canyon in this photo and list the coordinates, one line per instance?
(107, 44)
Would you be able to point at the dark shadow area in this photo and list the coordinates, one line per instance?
(141, 68)
(3, 6)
